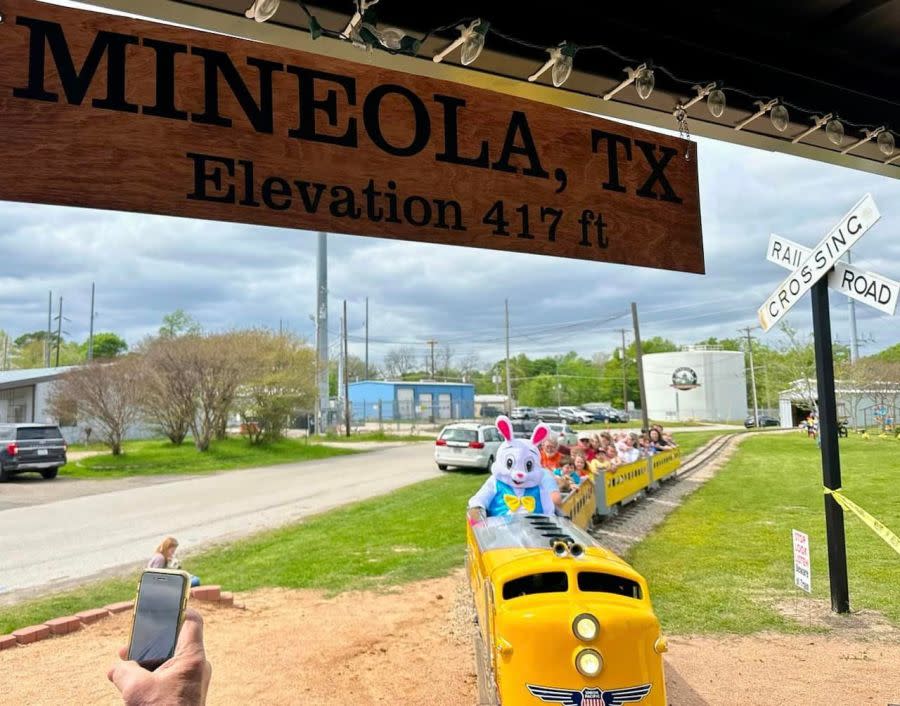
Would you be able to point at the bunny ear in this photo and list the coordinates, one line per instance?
(505, 427)
(540, 433)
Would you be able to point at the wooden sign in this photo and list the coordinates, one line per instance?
(115, 113)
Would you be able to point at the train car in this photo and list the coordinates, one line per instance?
(630, 482)
(560, 619)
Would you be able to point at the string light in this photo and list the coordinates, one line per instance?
(764, 107)
(868, 135)
(472, 40)
(262, 10)
(362, 31)
(561, 59)
(642, 76)
(817, 123)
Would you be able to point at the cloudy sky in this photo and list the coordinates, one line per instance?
(228, 275)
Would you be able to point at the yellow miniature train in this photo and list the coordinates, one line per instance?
(560, 619)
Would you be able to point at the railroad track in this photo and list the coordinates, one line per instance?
(635, 520)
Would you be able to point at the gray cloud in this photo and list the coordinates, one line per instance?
(235, 275)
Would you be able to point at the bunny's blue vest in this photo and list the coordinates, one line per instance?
(506, 502)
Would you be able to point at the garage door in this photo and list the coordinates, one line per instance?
(445, 406)
(405, 403)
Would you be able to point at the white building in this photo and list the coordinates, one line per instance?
(703, 383)
(874, 405)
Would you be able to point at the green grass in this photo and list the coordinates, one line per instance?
(721, 561)
(690, 441)
(157, 457)
(373, 436)
(413, 533)
(637, 424)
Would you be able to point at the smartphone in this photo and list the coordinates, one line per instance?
(158, 613)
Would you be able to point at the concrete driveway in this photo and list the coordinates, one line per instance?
(112, 525)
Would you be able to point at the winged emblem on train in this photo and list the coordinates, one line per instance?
(590, 696)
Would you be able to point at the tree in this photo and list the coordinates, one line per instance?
(106, 345)
(30, 350)
(282, 385)
(400, 361)
(179, 323)
(104, 394)
(891, 354)
(356, 370)
(167, 394)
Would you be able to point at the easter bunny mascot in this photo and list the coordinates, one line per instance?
(518, 482)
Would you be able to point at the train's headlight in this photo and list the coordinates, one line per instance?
(586, 627)
(589, 663)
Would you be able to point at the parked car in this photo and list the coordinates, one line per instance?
(31, 447)
(523, 428)
(523, 413)
(764, 421)
(548, 414)
(563, 433)
(467, 446)
(605, 413)
(488, 411)
(576, 415)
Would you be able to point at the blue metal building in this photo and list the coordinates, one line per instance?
(372, 400)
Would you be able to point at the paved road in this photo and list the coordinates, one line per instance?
(45, 545)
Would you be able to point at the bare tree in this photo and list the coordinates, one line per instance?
(469, 364)
(399, 361)
(168, 398)
(444, 358)
(106, 394)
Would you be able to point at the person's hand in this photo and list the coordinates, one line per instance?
(181, 681)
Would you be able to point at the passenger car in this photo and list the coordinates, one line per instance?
(764, 421)
(576, 415)
(467, 446)
(548, 414)
(605, 413)
(523, 413)
(523, 428)
(31, 447)
(560, 619)
(563, 433)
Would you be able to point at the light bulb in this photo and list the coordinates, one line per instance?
(562, 69)
(392, 38)
(266, 9)
(886, 143)
(644, 83)
(472, 47)
(780, 117)
(716, 102)
(834, 131)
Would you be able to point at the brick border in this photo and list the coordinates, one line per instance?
(72, 623)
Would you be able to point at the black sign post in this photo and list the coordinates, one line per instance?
(828, 440)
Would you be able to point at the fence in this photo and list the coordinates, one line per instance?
(439, 411)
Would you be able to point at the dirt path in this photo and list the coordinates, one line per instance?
(411, 646)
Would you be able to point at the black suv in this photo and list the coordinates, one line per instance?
(31, 447)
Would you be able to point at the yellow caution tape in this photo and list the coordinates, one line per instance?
(892, 539)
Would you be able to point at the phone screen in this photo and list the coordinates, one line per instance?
(156, 619)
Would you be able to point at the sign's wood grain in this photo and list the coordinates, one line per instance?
(115, 113)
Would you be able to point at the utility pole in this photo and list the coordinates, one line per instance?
(431, 343)
(367, 338)
(346, 380)
(747, 330)
(508, 381)
(854, 340)
(322, 334)
(59, 333)
(6, 352)
(624, 376)
(90, 355)
(645, 419)
(49, 329)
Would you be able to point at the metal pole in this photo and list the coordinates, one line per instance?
(640, 367)
(508, 381)
(49, 329)
(59, 333)
(367, 338)
(828, 438)
(346, 380)
(91, 334)
(854, 340)
(322, 333)
(624, 377)
(431, 343)
(752, 374)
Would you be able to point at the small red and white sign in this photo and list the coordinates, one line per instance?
(802, 569)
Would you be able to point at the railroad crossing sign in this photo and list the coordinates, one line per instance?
(821, 259)
(867, 287)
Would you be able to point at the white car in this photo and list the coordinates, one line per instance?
(467, 446)
(576, 414)
(563, 433)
